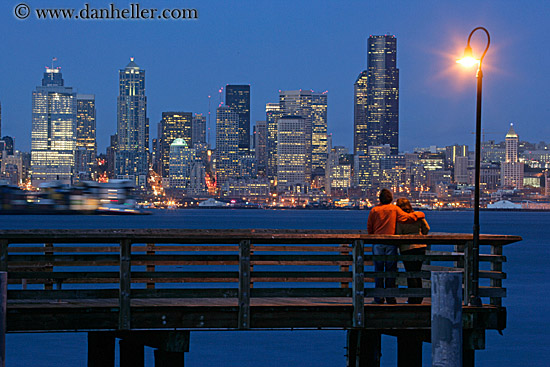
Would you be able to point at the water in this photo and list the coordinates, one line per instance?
(524, 342)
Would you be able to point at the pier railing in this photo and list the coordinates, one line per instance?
(131, 266)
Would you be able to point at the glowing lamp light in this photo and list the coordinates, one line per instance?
(468, 60)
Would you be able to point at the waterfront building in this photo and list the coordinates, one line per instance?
(273, 112)
(12, 169)
(382, 93)
(53, 135)
(132, 126)
(237, 97)
(246, 188)
(227, 144)
(86, 145)
(260, 146)
(512, 169)
(174, 125)
(291, 153)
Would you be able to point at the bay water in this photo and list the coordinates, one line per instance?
(525, 340)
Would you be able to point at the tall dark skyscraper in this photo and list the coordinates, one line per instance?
(132, 126)
(237, 97)
(382, 97)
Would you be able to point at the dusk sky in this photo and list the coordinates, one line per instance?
(286, 45)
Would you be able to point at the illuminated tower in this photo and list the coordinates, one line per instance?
(312, 107)
(511, 169)
(291, 153)
(53, 136)
(273, 112)
(382, 93)
(86, 146)
(360, 115)
(132, 126)
(237, 97)
(227, 144)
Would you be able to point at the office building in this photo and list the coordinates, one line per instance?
(360, 142)
(86, 146)
(53, 136)
(260, 147)
(132, 126)
(198, 130)
(237, 97)
(273, 112)
(174, 125)
(227, 144)
(511, 169)
(291, 153)
(312, 107)
(181, 161)
(382, 94)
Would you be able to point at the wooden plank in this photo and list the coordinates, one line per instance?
(244, 284)
(358, 284)
(125, 285)
(150, 268)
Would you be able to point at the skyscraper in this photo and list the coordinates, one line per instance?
(511, 169)
(132, 125)
(360, 115)
(312, 107)
(86, 146)
(237, 97)
(174, 125)
(273, 112)
(291, 153)
(260, 145)
(198, 130)
(53, 136)
(227, 144)
(382, 97)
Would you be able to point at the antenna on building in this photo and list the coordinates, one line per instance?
(221, 91)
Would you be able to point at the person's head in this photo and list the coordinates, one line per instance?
(385, 197)
(404, 204)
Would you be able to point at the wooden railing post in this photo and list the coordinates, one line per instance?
(244, 284)
(358, 284)
(4, 255)
(344, 250)
(496, 266)
(48, 251)
(150, 268)
(468, 271)
(125, 285)
(3, 314)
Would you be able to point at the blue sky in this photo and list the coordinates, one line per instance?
(284, 45)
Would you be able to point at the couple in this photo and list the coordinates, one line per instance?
(386, 218)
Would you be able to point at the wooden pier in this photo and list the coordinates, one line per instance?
(153, 287)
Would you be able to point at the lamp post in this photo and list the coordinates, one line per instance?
(468, 60)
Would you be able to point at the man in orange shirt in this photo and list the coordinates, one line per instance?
(383, 219)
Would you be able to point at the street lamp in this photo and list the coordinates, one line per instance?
(468, 60)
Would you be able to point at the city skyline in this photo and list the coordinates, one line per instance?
(436, 99)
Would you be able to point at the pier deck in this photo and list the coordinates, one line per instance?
(124, 283)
